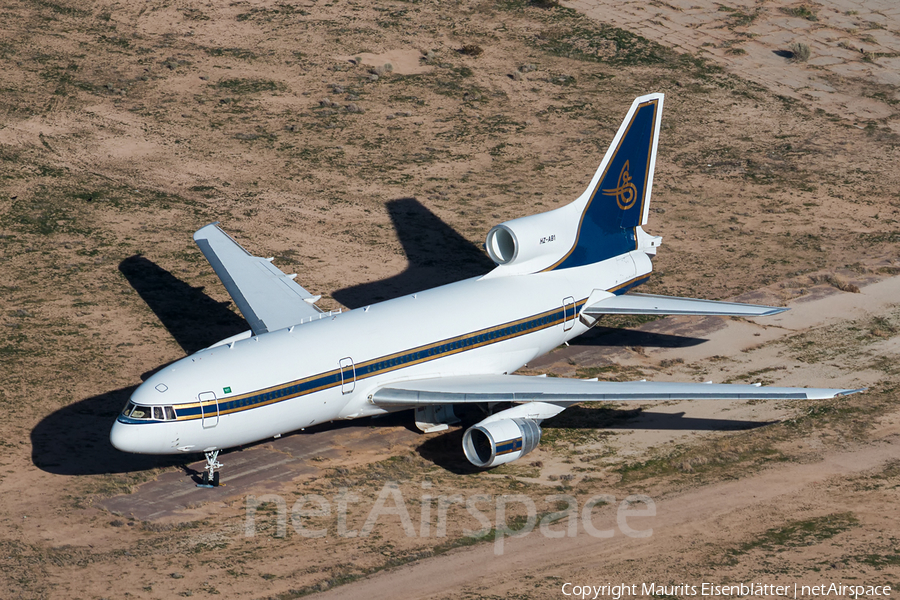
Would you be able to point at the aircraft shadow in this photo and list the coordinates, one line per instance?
(74, 440)
(613, 336)
(195, 320)
(446, 451)
(437, 255)
(594, 417)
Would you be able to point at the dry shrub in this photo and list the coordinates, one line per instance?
(799, 52)
(472, 50)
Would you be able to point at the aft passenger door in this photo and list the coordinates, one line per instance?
(209, 412)
(348, 375)
(568, 313)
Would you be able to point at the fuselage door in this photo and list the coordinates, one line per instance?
(568, 313)
(209, 409)
(348, 375)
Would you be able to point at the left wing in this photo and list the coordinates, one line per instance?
(267, 298)
(564, 392)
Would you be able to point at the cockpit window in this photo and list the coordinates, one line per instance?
(140, 412)
(157, 413)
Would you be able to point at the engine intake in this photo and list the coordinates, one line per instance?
(501, 244)
(530, 243)
(492, 443)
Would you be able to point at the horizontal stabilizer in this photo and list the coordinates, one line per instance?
(519, 388)
(647, 304)
(268, 298)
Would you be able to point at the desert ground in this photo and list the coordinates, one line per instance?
(369, 147)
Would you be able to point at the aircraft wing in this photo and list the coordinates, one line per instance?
(648, 304)
(561, 392)
(267, 298)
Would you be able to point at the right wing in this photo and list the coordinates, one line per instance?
(648, 304)
(267, 298)
(462, 389)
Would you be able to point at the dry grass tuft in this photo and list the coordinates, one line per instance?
(670, 362)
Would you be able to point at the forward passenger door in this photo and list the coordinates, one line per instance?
(348, 375)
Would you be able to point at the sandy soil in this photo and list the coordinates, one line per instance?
(126, 126)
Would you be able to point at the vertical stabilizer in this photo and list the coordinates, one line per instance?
(617, 201)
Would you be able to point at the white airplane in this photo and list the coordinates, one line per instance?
(557, 273)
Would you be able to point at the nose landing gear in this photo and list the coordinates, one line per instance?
(210, 474)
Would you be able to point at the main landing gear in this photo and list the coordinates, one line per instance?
(210, 474)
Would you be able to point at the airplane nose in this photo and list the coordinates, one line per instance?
(119, 438)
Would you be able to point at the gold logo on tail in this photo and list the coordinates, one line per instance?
(626, 193)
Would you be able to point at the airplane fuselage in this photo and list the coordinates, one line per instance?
(327, 369)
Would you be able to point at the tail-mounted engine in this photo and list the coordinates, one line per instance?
(529, 244)
(491, 443)
(605, 221)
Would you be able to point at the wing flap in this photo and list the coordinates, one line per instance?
(519, 388)
(649, 304)
(267, 298)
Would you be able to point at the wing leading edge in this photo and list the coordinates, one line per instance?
(267, 298)
(563, 392)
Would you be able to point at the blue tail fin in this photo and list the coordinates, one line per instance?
(618, 197)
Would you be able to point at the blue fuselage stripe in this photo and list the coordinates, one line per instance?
(376, 366)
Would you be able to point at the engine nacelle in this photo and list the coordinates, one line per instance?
(491, 443)
(530, 243)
